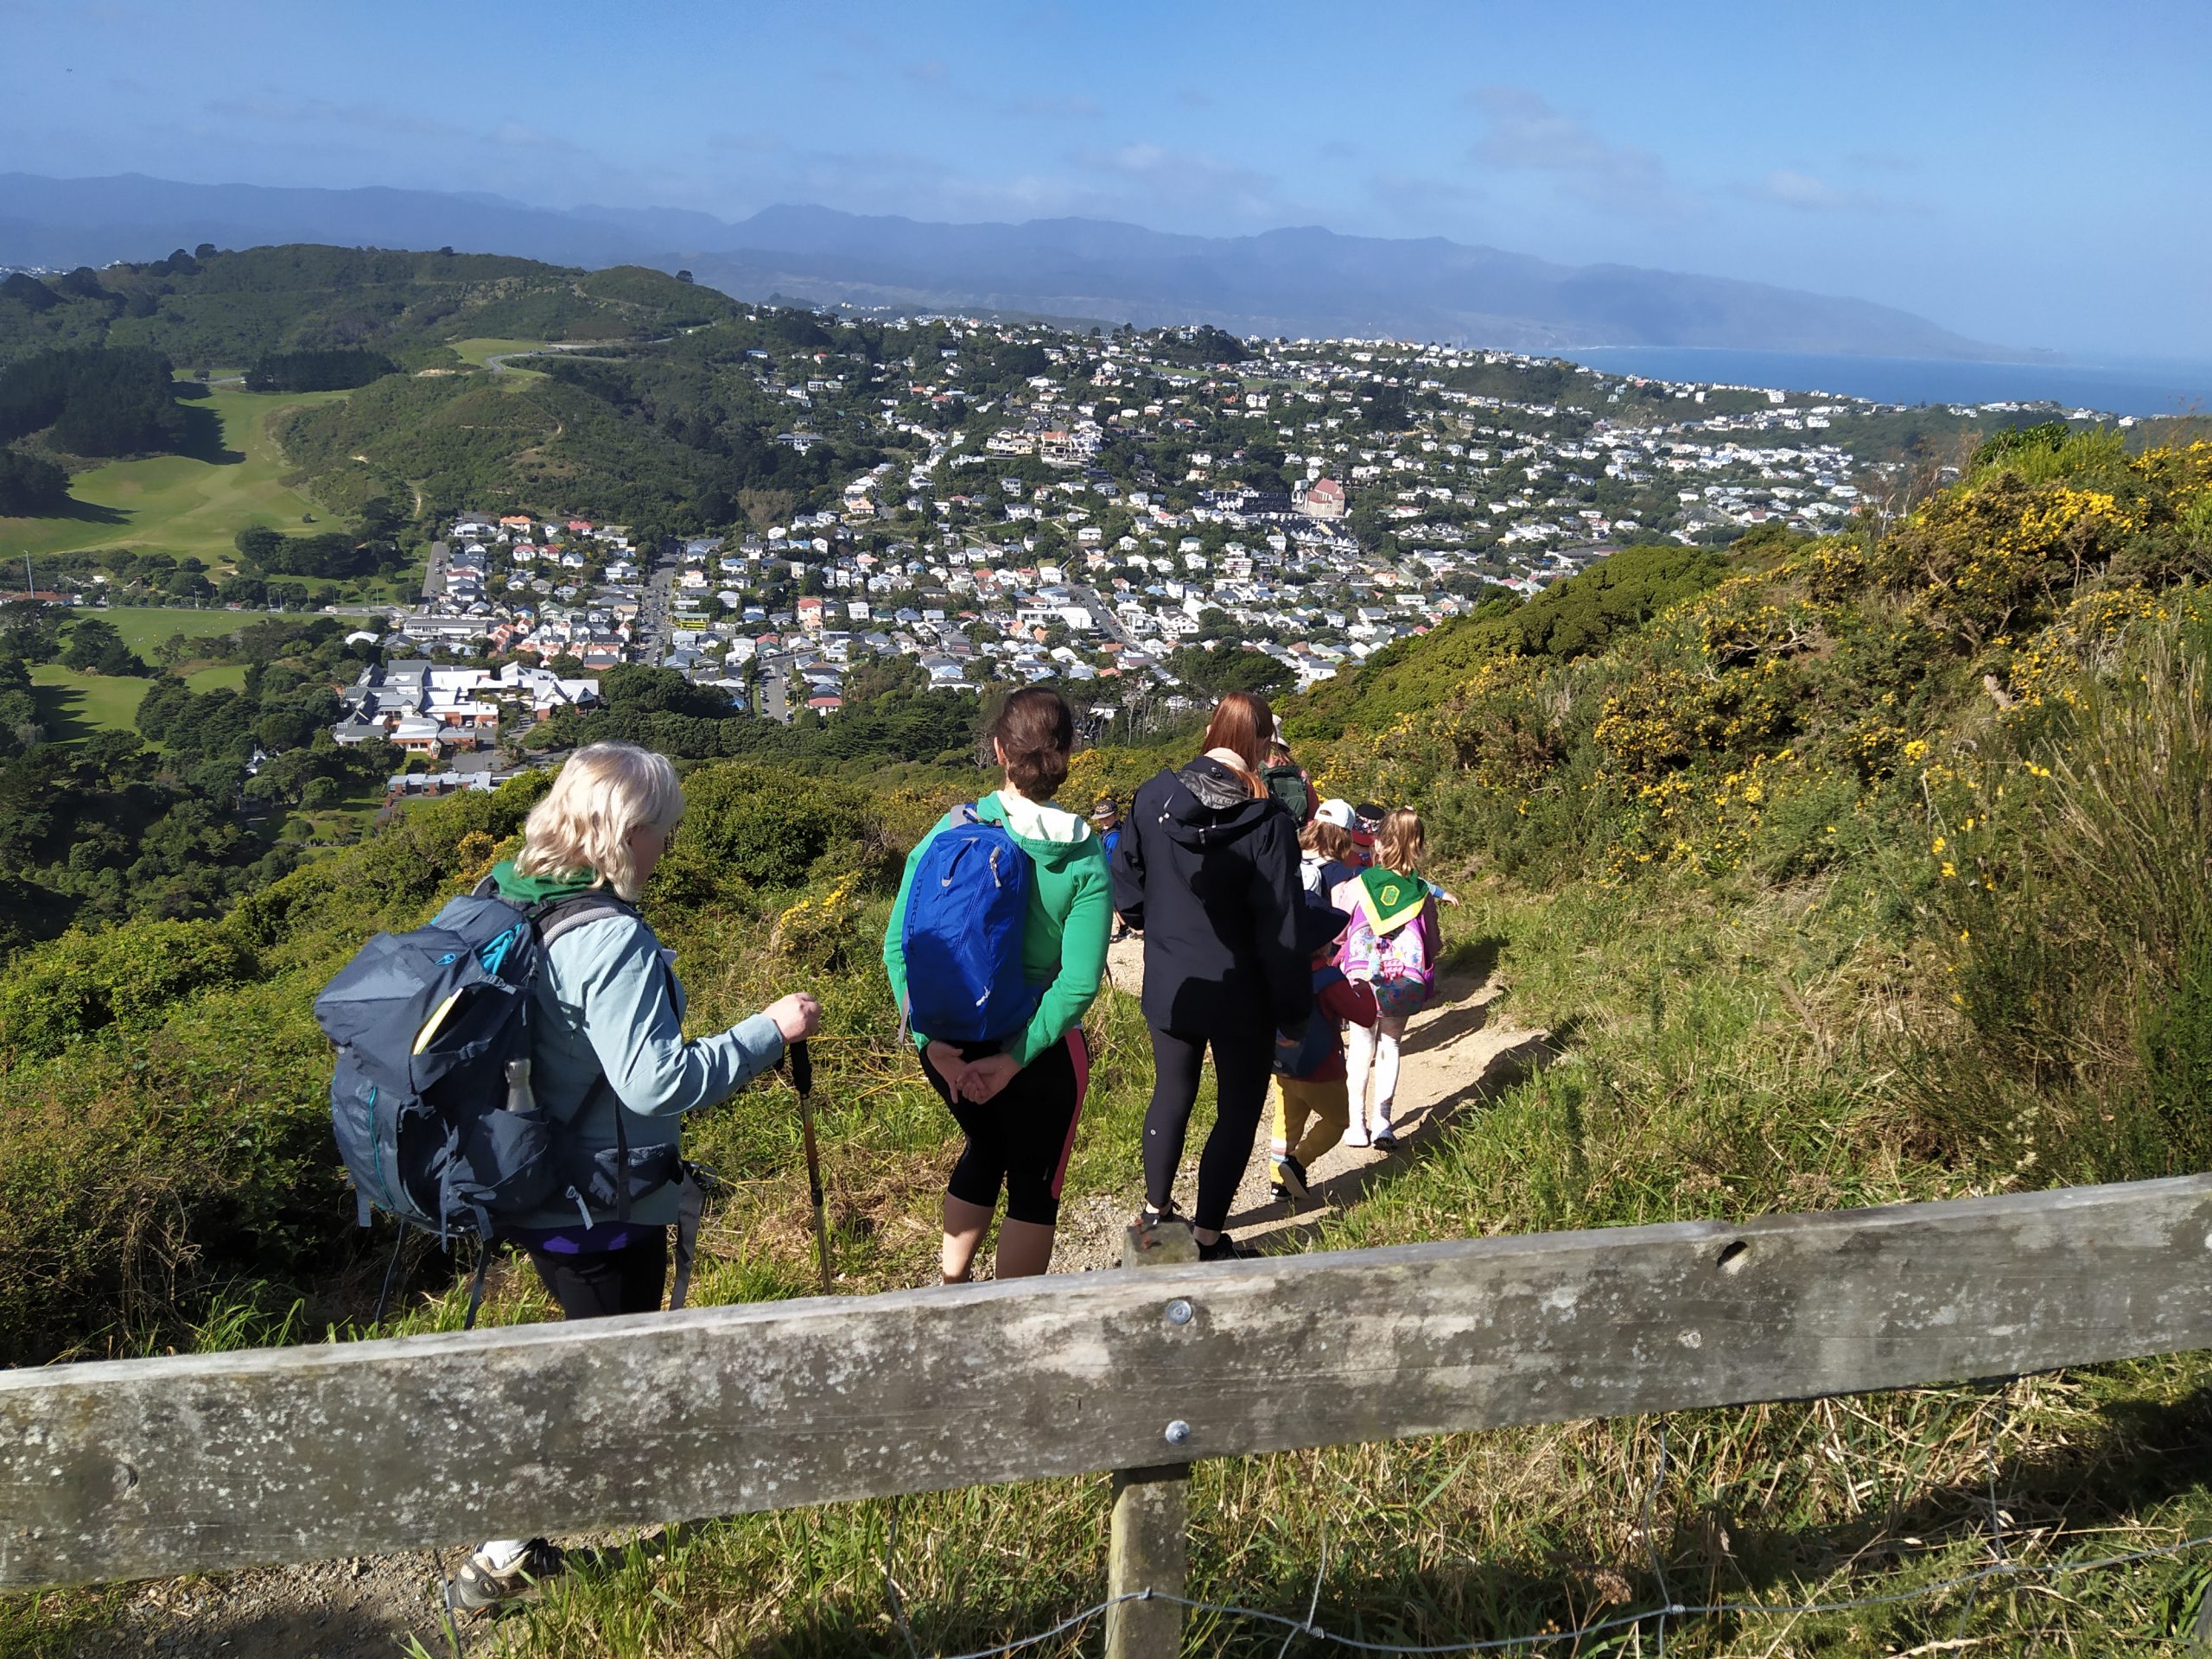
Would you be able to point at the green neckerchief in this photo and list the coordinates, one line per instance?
(531, 889)
(1390, 899)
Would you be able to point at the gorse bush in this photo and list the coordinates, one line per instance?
(2073, 876)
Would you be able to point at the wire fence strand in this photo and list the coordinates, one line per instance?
(2003, 1566)
(1678, 1610)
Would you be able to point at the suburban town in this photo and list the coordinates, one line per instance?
(1125, 501)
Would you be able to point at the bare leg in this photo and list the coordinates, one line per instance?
(965, 1224)
(1025, 1248)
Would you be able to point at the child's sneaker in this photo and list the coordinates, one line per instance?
(1290, 1179)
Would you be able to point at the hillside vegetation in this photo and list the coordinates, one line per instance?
(1841, 872)
(212, 309)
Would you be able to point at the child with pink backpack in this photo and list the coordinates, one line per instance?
(1392, 945)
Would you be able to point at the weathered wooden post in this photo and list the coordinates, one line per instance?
(1147, 1546)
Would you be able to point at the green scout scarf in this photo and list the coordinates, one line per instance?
(1390, 899)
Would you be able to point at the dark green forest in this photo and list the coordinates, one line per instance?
(333, 369)
(93, 401)
(218, 310)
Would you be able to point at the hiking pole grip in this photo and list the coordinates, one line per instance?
(802, 1068)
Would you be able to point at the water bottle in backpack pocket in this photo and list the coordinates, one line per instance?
(967, 910)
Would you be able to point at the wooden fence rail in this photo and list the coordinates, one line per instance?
(135, 1468)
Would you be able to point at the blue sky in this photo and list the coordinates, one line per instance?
(2031, 174)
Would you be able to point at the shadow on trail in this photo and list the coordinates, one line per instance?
(1419, 1131)
(1449, 1026)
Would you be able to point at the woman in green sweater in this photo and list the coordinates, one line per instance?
(1017, 1098)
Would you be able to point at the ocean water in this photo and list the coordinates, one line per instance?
(2179, 389)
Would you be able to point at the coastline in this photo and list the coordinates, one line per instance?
(2143, 392)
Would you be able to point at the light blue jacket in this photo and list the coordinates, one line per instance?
(606, 1001)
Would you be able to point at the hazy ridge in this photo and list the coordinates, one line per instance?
(1304, 281)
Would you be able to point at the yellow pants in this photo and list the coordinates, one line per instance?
(1326, 1106)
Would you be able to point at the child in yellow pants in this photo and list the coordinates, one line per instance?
(1312, 1105)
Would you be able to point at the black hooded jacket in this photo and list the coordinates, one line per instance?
(1210, 875)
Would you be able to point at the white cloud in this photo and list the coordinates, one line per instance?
(1786, 187)
(1523, 133)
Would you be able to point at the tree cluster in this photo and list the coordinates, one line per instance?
(338, 369)
(97, 401)
(30, 484)
(331, 555)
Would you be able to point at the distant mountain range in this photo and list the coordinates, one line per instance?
(1298, 282)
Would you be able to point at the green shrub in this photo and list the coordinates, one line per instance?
(764, 828)
(62, 992)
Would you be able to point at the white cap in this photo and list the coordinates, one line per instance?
(1340, 814)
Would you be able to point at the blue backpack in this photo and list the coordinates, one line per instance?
(966, 910)
(1305, 1057)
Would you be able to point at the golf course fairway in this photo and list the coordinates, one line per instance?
(184, 504)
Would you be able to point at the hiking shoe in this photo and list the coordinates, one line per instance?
(1383, 1141)
(1290, 1176)
(480, 1584)
(1226, 1248)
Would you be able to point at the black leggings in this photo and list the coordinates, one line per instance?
(1241, 1063)
(592, 1287)
(1020, 1137)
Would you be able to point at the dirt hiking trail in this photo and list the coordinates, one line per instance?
(1452, 1059)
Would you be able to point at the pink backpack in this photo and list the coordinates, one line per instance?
(1396, 964)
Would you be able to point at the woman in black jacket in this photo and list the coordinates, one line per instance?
(1208, 870)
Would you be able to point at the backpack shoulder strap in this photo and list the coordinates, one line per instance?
(555, 917)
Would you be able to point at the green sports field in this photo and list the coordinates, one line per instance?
(192, 504)
(144, 627)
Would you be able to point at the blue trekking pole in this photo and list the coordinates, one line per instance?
(803, 1081)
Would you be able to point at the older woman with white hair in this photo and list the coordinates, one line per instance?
(609, 1059)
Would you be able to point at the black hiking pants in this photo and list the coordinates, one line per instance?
(1242, 1061)
(605, 1282)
